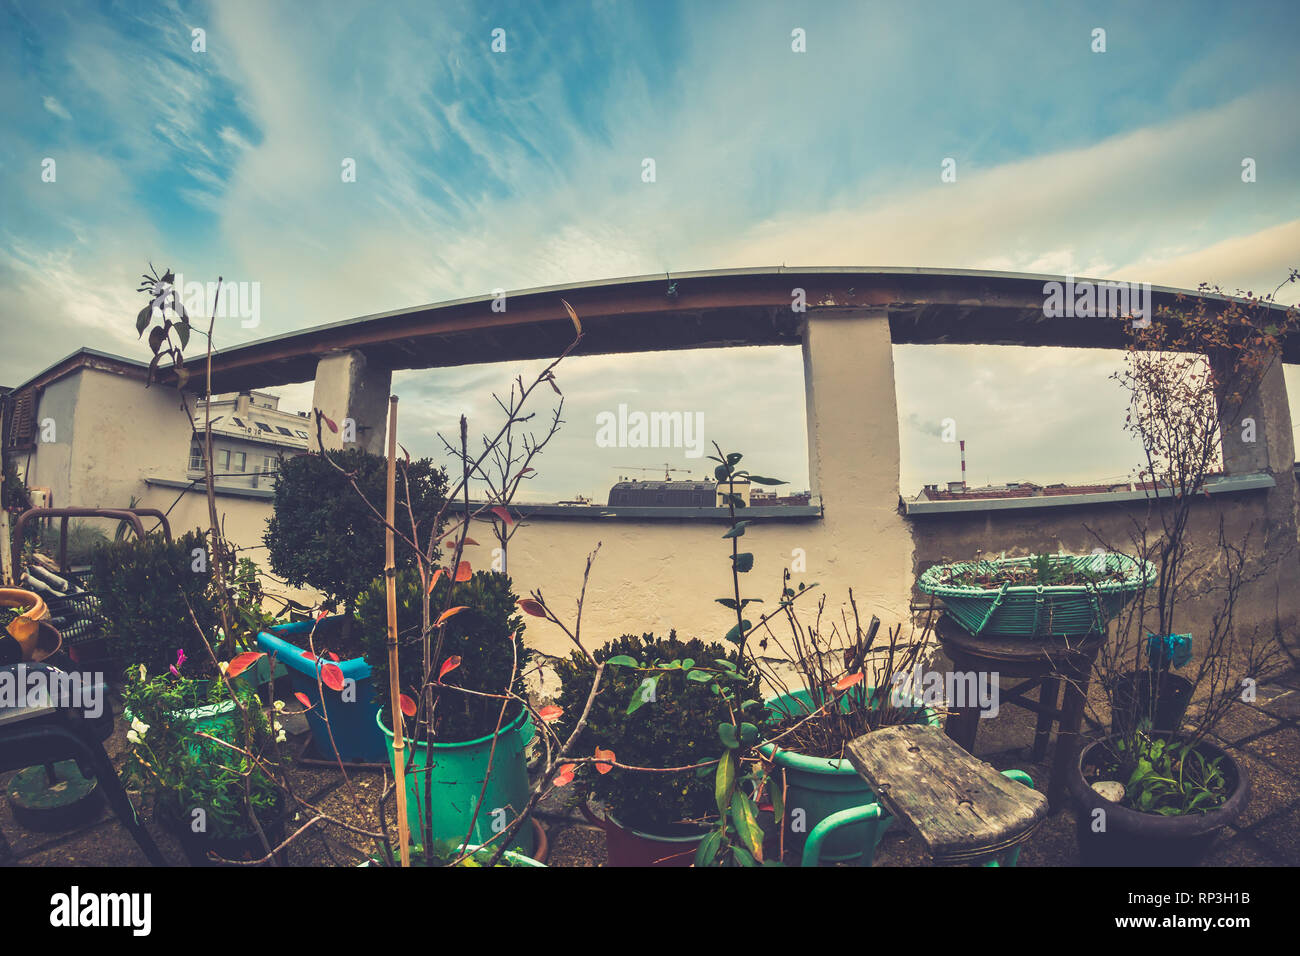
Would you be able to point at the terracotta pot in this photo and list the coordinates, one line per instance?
(30, 637)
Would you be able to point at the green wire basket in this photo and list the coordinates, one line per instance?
(1035, 610)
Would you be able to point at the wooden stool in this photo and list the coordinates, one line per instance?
(1048, 662)
(960, 807)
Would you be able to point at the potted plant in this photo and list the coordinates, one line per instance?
(651, 714)
(1157, 791)
(467, 762)
(1038, 596)
(1153, 697)
(25, 632)
(207, 753)
(837, 686)
(316, 507)
(323, 533)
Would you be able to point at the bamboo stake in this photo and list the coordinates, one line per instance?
(394, 682)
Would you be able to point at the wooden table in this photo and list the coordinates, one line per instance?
(1047, 662)
(960, 807)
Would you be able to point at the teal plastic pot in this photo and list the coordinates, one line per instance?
(456, 779)
(821, 786)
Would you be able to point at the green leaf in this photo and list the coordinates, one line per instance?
(759, 479)
(777, 794)
(734, 457)
(699, 676)
(622, 660)
(142, 320)
(744, 856)
(745, 817)
(644, 693)
(733, 635)
(723, 662)
(728, 734)
(708, 848)
(724, 780)
(748, 734)
(737, 529)
(743, 561)
(722, 473)
(727, 602)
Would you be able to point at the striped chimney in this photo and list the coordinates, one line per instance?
(963, 465)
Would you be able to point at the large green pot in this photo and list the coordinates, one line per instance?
(456, 779)
(821, 786)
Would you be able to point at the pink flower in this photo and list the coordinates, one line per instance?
(180, 660)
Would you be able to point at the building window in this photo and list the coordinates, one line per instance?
(223, 459)
(196, 457)
(262, 426)
(268, 465)
(237, 461)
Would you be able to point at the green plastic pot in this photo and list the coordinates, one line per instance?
(456, 780)
(822, 786)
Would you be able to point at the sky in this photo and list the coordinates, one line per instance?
(224, 152)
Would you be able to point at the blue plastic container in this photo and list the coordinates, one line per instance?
(351, 722)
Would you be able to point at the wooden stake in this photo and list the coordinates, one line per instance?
(394, 681)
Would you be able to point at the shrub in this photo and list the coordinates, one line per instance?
(143, 586)
(323, 535)
(679, 727)
(480, 636)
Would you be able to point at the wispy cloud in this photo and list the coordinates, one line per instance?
(478, 170)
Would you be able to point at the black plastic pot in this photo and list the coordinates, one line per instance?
(1133, 838)
(1133, 700)
(196, 846)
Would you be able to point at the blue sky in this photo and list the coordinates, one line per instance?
(479, 170)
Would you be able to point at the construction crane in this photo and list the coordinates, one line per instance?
(667, 469)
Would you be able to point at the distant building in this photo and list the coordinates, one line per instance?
(697, 494)
(1018, 489)
(249, 434)
(668, 494)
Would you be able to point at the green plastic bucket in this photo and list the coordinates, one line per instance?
(456, 779)
(821, 786)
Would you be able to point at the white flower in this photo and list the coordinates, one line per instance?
(279, 706)
(139, 726)
(143, 673)
(224, 666)
(280, 737)
(132, 737)
(277, 725)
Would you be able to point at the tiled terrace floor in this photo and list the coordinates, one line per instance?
(1264, 736)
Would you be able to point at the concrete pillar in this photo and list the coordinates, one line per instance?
(1261, 439)
(853, 457)
(354, 395)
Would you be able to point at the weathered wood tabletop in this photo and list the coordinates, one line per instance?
(960, 807)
